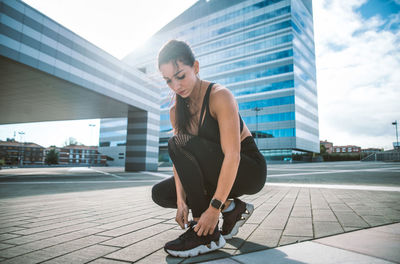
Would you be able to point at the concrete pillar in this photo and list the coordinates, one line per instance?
(142, 141)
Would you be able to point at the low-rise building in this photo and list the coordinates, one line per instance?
(346, 149)
(21, 153)
(372, 150)
(79, 154)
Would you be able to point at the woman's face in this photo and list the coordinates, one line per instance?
(180, 77)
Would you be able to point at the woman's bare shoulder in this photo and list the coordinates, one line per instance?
(220, 93)
(220, 96)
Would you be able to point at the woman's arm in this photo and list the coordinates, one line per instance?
(183, 211)
(225, 109)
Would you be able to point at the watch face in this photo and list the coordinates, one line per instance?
(215, 203)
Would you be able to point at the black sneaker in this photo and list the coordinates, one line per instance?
(235, 218)
(189, 244)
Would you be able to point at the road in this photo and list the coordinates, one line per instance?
(37, 181)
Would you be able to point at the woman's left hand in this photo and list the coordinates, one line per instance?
(207, 222)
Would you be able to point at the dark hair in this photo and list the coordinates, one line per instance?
(174, 51)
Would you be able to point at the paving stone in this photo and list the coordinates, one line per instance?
(221, 253)
(322, 229)
(10, 229)
(59, 225)
(244, 232)
(145, 247)
(301, 211)
(159, 257)
(83, 255)
(222, 261)
(7, 236)
(4, 246)
(14, 223)
(349, 229)
(375, 220)
(107, 261)
(130, 228)
(167, 215)
(34, 257)
(260, 213)
(75, 231)
(368, 212)
(261, 239)
(324, 215)
(129, 221)
(131, 238)
(299, 227)
(285, 240)
(350, 219)
(38, 222)
(340, 207)
(170, 222)
(331, 198)
(48, 246)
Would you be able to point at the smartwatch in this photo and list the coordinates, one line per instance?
(217, 204)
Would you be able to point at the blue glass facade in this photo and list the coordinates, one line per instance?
(263, 51)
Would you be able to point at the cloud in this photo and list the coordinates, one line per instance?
(358, 77)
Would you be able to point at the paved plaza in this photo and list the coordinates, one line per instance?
(105, 215)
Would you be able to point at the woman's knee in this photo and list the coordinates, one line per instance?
(158, 196)
(260, 182)
(164, 193)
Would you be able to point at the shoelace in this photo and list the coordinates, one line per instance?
(190, 232)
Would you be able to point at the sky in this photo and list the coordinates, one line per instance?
(357, 58)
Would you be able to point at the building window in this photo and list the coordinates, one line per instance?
(105, 144)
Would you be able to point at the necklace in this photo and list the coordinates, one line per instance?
(187, 101)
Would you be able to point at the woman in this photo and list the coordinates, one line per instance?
(215, 159)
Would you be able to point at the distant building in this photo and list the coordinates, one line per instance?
(21, 153)
(328, 146)
(263, 51)
(79, 155)
(372, 150)
(346, 149)
(396, 145)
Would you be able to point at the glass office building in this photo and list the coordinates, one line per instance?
(263, 51)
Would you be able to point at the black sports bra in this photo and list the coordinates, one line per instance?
(210, 128)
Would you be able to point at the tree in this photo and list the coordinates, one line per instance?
(52, 157)
(322, 149)
(70, 142)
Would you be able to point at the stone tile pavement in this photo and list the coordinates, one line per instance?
(125, 226)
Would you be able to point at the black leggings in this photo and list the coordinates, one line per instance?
(198, 163)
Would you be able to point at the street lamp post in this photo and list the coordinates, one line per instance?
(257, 109)
(21, 158)
(91, 139)
(397, 135)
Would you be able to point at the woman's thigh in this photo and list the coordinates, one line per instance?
(251, 173)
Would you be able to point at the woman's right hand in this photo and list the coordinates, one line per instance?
(182, 214)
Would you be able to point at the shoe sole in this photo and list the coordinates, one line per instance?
(202, 249)
(235, 229)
